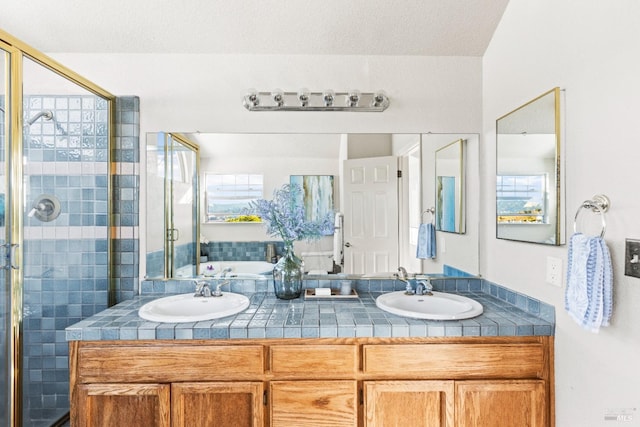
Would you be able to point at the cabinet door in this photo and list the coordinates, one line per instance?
(409, 403)
(107, 405)
(313, 403)
(234, 404)
(501, 403)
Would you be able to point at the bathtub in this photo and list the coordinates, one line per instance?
(238, 269)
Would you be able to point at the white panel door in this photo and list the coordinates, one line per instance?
(371, 215)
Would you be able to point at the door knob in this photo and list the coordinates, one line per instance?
(347, 245)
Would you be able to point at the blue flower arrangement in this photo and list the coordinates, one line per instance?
(284, 216)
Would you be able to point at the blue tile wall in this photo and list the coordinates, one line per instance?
(217, 251)
(65, 260)
(125, 242)
(66, 266)
(447, 270)
(241, 251)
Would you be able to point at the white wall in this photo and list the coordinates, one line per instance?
(204, 92)
(456, 250)
(188, 93)
(590, 48)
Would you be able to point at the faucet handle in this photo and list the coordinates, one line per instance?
(218, 291)
(424, 287)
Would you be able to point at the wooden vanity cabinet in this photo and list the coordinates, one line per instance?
(229, 404)
(458, 384)
(355, 382)
(409, 403)
(135, 405)
(313, 385)
(501, 403)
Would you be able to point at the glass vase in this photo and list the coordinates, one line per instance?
(287, 274)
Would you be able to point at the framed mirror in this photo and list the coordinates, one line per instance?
(529, 173)
(450, 188)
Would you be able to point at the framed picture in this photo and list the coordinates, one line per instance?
(317, 194)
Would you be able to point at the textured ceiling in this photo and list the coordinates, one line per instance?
(315, 27)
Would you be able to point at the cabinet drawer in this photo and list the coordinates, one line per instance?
(306, 360)
(314, 403)
(455, 361)
(158, 363)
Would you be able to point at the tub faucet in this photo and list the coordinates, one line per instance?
(225, 271)
(202, 289)
(424, 287)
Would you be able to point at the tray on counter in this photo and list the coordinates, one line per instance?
(335, 294)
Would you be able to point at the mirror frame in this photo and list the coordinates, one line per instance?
(459, 145)
(559, 217)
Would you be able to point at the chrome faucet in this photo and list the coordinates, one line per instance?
(424, 287)
(202, 289)
(403, 277)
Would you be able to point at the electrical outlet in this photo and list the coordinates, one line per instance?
(554, 271)
(632, 258)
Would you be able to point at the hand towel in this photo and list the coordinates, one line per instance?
(589, 292)
(426, 241)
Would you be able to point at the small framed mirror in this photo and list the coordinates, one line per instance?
(528, 172)
(450, 206)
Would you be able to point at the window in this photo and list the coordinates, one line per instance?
(228, 195)
(521, 199)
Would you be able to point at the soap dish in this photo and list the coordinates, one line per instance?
(335, 294)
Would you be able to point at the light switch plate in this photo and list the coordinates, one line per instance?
(632, 258)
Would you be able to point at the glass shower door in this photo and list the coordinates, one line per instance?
(182, 194)
(172, 206)
(65, 159)
(5, 289)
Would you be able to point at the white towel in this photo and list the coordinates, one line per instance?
(337, 239)
(589, 293)
(426, 241)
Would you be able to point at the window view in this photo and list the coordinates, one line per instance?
(521, 199)
(228, 195)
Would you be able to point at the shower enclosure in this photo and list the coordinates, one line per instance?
(55, 133)
(173, 205)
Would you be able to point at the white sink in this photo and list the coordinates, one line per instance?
(439, 306)
(187, 308)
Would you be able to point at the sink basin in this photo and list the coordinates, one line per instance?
(439, 306)
(187, 308)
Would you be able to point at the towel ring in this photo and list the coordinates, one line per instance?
(431, 211)
(599, 204)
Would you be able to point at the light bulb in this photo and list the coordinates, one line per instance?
(278, 97)
(328, 96)
(303, 96)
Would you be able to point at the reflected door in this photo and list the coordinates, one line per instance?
(371, 215)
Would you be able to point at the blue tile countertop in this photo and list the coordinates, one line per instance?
(269, 317)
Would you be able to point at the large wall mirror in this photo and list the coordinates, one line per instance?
(529, 174)
(254, 165)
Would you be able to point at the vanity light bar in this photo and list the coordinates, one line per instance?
(304, 100)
